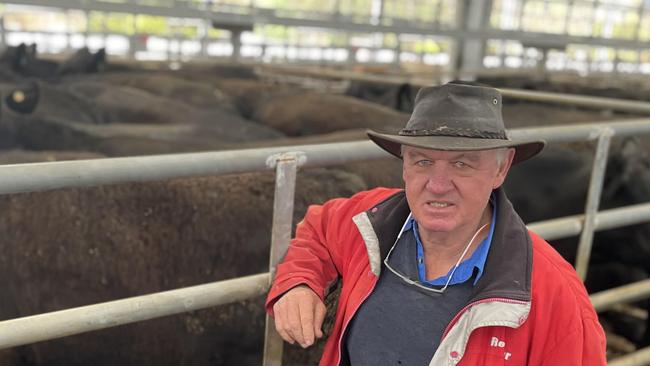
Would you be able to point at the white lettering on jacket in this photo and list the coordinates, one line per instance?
(496, 342)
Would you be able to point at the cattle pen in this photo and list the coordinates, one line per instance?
(285, 161)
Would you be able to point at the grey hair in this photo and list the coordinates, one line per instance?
(501, 154)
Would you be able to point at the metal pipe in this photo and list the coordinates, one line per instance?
(283, 200)
(529, 95)
(638, 358)
(583, 131)
(81, 173)
(593, 201)
(578, 100)
(534, 96)
(31, 329)
(607, 219)
(635, 291)
(631, 311)
(559, 228)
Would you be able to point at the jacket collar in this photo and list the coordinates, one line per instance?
(508, 268)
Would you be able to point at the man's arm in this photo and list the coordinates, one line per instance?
(586, 346)
(296, 297)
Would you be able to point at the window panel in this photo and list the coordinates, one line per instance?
(581, 20)
(357, 9)
(543, 16)
(644, 28)
(505, 14)
(448, 11)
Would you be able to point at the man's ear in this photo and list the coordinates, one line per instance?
(502, 173)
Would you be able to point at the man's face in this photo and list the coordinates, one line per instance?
(448, 191)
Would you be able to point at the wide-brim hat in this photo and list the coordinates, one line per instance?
(457, 117)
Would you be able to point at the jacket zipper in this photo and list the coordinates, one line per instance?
(345, 325)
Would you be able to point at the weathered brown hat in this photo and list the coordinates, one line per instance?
(456, 117)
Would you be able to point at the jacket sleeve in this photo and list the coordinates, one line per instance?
(585, 346)
(311, 259)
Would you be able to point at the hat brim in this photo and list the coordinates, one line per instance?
(524, 149)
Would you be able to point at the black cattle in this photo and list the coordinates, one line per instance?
(16, 57)
(116, 121)
(76, 247)
(218, 72)
(170, 85)
(24, 61)
(397, 96)
(298, 112)
(83, 62)
(555, 184)
(572, 85)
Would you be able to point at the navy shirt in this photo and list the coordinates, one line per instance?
(401, 324)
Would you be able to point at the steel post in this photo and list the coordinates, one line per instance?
(593, 201)
(286, 165)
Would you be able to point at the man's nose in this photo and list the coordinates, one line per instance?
(439, 179)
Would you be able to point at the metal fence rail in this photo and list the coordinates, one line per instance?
(638, 358)
(578, 100)
(46, 176)
(605, 300)
(587, 101)
(83, 319)
(607, 219)
(80, 173)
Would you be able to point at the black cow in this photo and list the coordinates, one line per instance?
(83, 62)
(76, 247)
(24, 61)
(397, 96)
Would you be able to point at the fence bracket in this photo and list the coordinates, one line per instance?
(298, 156)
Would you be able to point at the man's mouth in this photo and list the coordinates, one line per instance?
(438, 204)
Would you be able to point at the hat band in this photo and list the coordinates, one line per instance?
(456, 132)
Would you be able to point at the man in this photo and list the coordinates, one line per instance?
(443, 272)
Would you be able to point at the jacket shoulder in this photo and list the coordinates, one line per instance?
(366, 200)
(556, 284)
(561, 305)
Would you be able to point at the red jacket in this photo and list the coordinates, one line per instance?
(528, 308)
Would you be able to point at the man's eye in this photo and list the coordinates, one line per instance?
(423, 163)
(460, 164)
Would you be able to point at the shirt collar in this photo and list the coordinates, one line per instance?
(466, 268)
